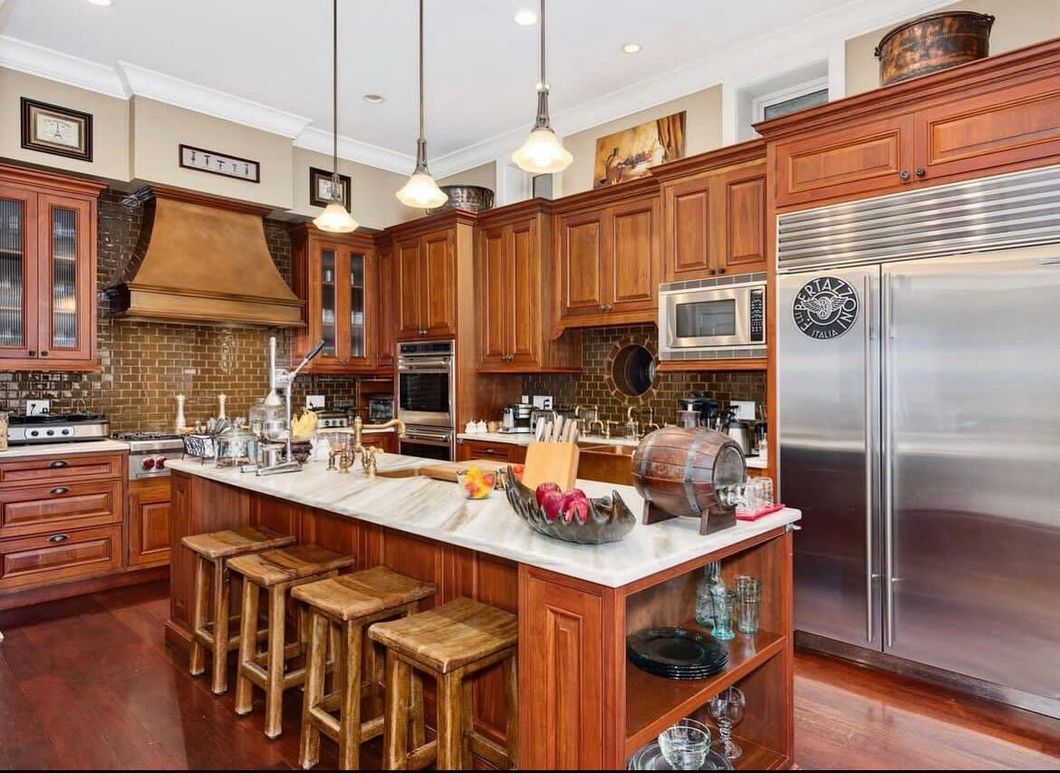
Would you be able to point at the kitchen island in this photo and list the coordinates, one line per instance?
(581, 704)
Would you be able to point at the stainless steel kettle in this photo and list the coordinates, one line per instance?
(741, 432)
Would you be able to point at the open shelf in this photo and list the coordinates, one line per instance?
(653, 703)
(757, 757)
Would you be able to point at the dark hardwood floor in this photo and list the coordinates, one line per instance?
(88, 683)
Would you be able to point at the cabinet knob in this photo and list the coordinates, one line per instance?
(56, 538)
(608, 307)
(32, 354)
(721, 271)
(920, 171)
(712, 271)
(43, 354)
(903, 175)
(58, 490)
(58, 463)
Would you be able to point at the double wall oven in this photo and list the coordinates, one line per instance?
(426, 400)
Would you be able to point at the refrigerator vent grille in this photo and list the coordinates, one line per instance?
(1011, 210)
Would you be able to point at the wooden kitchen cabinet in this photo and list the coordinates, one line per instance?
(336, 276)
(425, 280)
(387, 318)
(147, 536)
(513, 276)
(633, 256)
(582, 250)
(47, 271)
(991, 116)
(507, 453)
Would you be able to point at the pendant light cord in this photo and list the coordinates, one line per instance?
(542, 121)
(421, 142)
(544, 83)
(336, 195)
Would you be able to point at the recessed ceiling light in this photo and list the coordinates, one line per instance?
(526, 17)
(631, 48)
(100, 2)
(373, 99)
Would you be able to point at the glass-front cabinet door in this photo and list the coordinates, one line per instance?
(358, 348)
(325, 275)
(65, 274)
(18, 281)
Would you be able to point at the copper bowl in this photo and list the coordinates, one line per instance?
(470, 198)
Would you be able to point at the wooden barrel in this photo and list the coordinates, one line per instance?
(676, 470)
(933, 42)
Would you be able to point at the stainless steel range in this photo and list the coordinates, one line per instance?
(149, 452)
(56, 428)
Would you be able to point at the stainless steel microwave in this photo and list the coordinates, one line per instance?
(713, 318)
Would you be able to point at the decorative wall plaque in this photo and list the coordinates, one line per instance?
(220, 163)
(825, 308)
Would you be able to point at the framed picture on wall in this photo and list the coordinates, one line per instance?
(219, 163)
(322, 188)
(60, 131)
(630, 153)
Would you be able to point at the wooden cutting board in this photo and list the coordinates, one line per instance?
(447, 470)
(551, 462)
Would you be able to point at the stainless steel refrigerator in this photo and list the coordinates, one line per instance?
(919, 430)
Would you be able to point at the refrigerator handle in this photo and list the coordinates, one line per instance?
(869, 473)
(887, 333)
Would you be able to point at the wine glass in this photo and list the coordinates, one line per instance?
(726, 709)
(685, 744)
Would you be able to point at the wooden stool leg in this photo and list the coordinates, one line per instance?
(275, 661)
(469, 723)
(248, 644)
(197, 662)
(309, 747)
(419, 733)
(395, 728)
(350, 688)
(220, 628)
(451, 730)
(511, 708)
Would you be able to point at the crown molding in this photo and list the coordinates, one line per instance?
(359, 152)
(151, 84)
(54, 65)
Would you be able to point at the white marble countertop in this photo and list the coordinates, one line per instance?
(525, 438)
(437, 510)
(81, 447)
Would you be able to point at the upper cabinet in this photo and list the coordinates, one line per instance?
(385, 348)
(607, 252)
(47, 271)
(995, 115)
(336, 277)
(714, 214)
(512, 279)
(425, 282)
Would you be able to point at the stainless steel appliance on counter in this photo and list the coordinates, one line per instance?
(712, 319)
(516, 418)
(380, 409)
(920, 430)
(56, 428)
(333, 419)
(426, 399)
(149, 452)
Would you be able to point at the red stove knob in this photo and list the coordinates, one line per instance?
(160, 462)
(148, 463)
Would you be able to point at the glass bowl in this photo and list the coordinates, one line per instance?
(475, 483)
(685, 744)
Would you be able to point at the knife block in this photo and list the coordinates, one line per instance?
(551, 462)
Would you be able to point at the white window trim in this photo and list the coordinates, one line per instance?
(760, 103)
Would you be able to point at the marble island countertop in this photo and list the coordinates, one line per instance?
(525, 438)
(437, 510)
(48, 449)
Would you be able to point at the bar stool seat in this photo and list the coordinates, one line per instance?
(452, 643)
(275, 573)
(340, 610)
(212, 585)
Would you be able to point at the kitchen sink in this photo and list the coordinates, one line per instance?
(609, 450)
(407, 472)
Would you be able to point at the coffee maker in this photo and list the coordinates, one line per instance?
(705, 407)
(515, 418)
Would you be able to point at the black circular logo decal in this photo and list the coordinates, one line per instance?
(825, 308)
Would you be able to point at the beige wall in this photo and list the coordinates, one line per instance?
(702, 133)
(1019, 23)
(485, 175)
(110, 124)
(372, 190)
(159, 129)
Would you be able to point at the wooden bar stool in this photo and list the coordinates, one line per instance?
(212, 551)
(275, 572)
(348, 604)
(452, 643)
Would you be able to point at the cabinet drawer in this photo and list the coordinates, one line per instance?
(501, 452)
(37, 509)
(59, 557)
(53, 470)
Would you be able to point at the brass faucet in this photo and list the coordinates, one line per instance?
(607, 427)
(347, 455)
(652, 425)
(632, 426)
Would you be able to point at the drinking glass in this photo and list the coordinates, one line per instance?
(704, 602)
(685, 744)
(749, 591)
(724, 600)
(726, 708)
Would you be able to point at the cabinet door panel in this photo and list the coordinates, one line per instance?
(743, 232)
(688, 229)
(634, 256)
(525, 311)
(66, 279)
(582, 248)
(356, 327)
(410, 278)
(18, 273)
(493, 276)
(44, 559)
(865, 158)
(148, 523)
(439, 283)
(385, 310)
(324, 272)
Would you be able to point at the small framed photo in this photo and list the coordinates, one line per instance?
(57, 130)
(321, 188)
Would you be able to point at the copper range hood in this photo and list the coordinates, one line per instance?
(204, 260)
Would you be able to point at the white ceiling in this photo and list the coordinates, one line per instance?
(481, 67)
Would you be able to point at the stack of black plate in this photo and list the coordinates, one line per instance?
(676, 653)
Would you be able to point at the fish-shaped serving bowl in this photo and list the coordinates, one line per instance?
(609, 518)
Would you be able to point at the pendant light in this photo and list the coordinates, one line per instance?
(421, 191)
(543, 152)
(335, 218)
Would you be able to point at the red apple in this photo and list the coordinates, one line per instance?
(579, 508)
(543, 490)
(552, 503)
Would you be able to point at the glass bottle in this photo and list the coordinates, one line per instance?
(704, 602)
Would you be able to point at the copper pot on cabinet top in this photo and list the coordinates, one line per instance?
(933, 42)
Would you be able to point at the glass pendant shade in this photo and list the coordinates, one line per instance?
(335, 219)
(421, 191)
(542, 153)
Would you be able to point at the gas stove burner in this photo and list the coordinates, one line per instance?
(136, 437)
